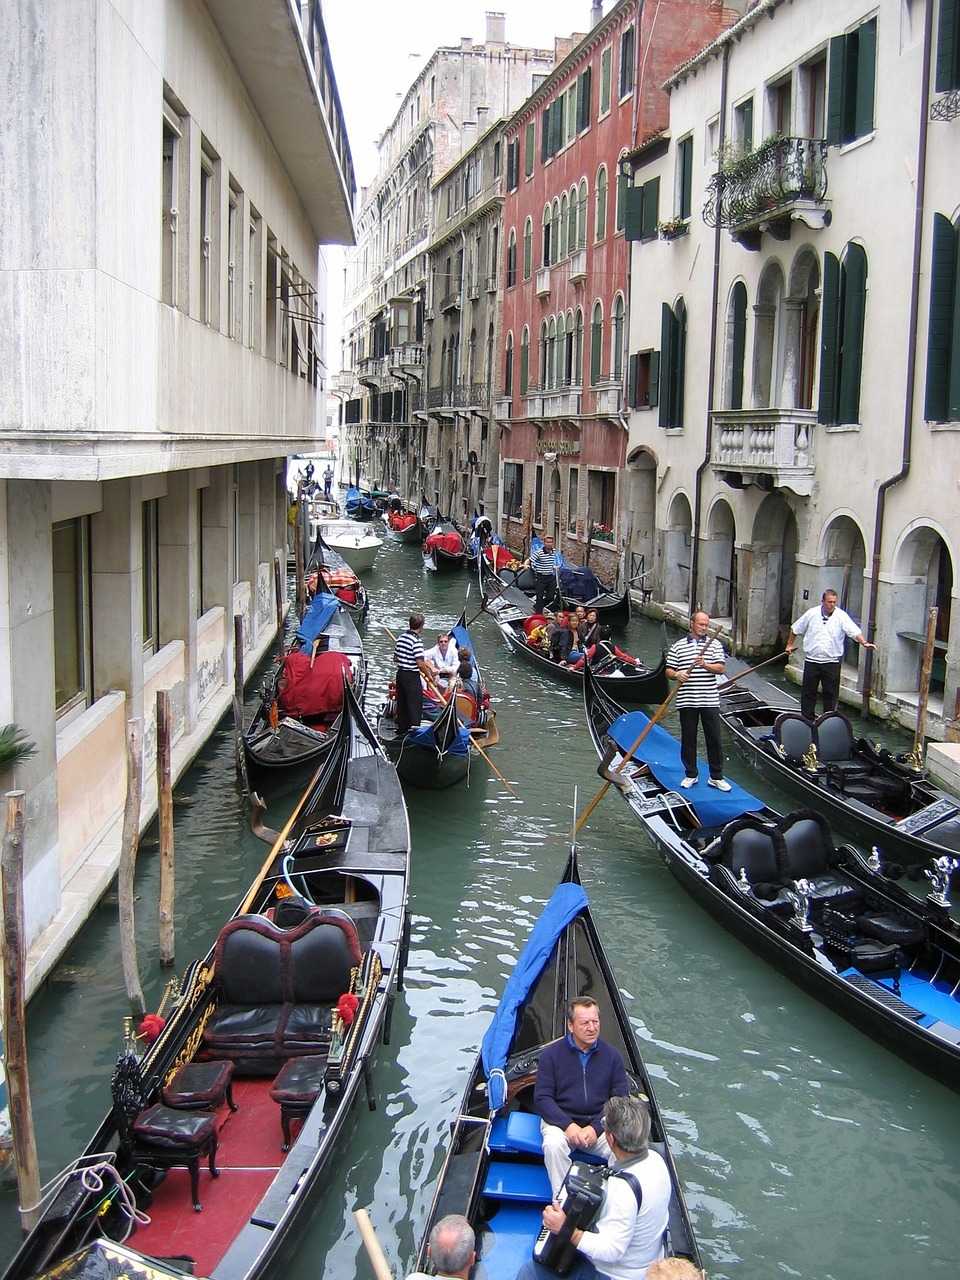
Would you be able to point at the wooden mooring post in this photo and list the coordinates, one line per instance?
(165, 825)
(126, 875)
(278, 585)
(932, 615)
(14, 1013)
(238, 693)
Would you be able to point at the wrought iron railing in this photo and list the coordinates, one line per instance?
(775, 175)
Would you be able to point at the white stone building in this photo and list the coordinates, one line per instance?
(169, 171)
(795, 346)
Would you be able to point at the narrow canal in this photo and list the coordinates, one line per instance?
(807, 1149)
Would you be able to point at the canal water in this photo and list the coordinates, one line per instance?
(807, 1149)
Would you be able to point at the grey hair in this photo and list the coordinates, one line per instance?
(579, 1002)
(627, 1120)
(458, 1244)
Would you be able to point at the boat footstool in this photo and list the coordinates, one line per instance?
(200, 1086)
(296, 1089)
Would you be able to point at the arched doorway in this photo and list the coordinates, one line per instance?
(718, 587)
(677, 548)
(923, 579)
(641, 510)
(769, 575)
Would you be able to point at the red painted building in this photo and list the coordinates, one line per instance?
(565, 294)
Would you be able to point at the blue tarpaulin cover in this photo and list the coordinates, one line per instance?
(317, 618)
(424, 737)
(661, 753)
(581, 584)
(568, 901)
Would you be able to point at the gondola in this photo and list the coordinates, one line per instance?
(823, 914)
(513, 613)
(444, 546)
(327, 568)
(439, 753)
(493, 1171)
(575, 586)
(865, 790)
(295, 723)
(298, 1008)
(404, 524)
(359, 506)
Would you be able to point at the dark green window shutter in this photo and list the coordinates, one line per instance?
(651, 209)
(866, 77)
(686, 177)
(530, 147)
(654, 394)
(524, 367)
(943, 299)
(827, 410)
(583, 100)
(596, 350)
(739, 308)
(667, 357)
(545, 133)
(680, 362)
(853, 293)
(632, 381)
(633, 213)
(948, 46)
(838, 45)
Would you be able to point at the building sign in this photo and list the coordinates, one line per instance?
(562, 448)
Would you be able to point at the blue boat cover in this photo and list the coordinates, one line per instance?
(660, 751)
(580, 584)
(424, 737)
(568, 901)
(323, 606)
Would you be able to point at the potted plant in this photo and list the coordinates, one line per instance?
(674, 228)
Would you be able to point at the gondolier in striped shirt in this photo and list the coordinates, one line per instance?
(695, 662)
(545, 564)
(411, 664)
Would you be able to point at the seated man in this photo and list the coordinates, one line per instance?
(443, 658)
(452, 1249)
(628, 1235)
(576, 1077)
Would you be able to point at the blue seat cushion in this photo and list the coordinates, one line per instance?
(524, 1182)
(523, 1134)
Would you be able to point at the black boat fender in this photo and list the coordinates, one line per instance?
(368, 1083)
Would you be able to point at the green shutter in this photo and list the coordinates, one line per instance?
(632, 376)
(524, 367)
(827, 410)
(667, 322)
(739, 344)
(838, 45)
(866, 78)
(853, 304)
(545, 133)
(686, 177)
(530, 148)
(596, 351)
(948, 46)
(634, 213)
(653, 394)
(584, 91)
(680, 360)
(943, 298)
(651, 209)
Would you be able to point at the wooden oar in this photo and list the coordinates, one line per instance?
(777, 657)
(486, 603)
(658, 714)
(378, 1260)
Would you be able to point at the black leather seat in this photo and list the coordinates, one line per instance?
(810, 856)
(757, 849)
(793, 734)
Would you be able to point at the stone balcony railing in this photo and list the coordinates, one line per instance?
(503, 408)
(543, 282)
(770, 447)
(450, 301)
(608, 399)
(409, 355)
(472, 395)
(578, 265)
(561, 404)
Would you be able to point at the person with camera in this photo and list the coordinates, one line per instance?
(629, 1231)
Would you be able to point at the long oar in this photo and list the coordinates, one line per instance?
(381, 1268)
(777, 657)
(658, 714)
(486, 603)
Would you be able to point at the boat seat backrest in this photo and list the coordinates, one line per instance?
(834, 736)
(793, 733)
(757, 850)
(258, 963)
(809, 844)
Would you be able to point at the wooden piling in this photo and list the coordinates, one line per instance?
(299, 574)
(279, 592)
(128, 866)
(14, 1014)
(932, 615)
(165, 823)
(238, 689)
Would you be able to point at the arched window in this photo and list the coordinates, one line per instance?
(566, 357)
(557, 232)
(508, 366)
(563, 231)
(596, 344)
(527, 248)
(623, 183)
(551, 380)
(841, 340)
(512, 259)
(471, 369)
(736, 344)
(524, 360)
(582, 215)
(601, 224)
(942, 401)
(673, 356)
(573, 230)
(547, 237)
(578, 350)
(616, 338)
(543, 354)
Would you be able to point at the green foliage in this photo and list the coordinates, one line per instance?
(14, 746)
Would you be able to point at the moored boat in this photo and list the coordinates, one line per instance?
(444, 546)
(404, 524)
(825, 915)
(327, 569)
(359, 506)
(356, 542)
(285, 1015)
(493, 1172)
(574, 586)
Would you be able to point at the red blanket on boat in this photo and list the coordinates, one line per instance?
(450, 542)
(313, 691)
(399, 522)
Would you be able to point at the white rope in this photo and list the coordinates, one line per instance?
(94, 1178)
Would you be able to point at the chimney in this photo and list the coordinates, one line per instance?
(596, 13)
(496, 27)
(468, 135)
(482, 113)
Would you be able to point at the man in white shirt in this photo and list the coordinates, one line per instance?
(824, 629)
(444, 658)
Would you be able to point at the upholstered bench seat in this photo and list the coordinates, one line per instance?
(296, 1088)
(200, 1086)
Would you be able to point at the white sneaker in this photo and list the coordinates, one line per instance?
(720, 783)
(689, 782)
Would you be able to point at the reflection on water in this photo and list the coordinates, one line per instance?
(807, 1150)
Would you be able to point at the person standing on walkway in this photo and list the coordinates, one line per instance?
(545, 564)
(824, 628)
(411, 664)
(328, 481)
(695, 662)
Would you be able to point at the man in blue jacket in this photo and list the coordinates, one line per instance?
(576, 1077)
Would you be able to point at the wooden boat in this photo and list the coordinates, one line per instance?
(874, 796)
(356, 542)
(440, 752)
(444, 546)
(404, 524)
(296, 722)
(513, 612)
(493, 1171)
(821, 913)
(270, 997)
(359, 506)
(327, 568)
(576, 586)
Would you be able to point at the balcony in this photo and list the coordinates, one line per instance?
(451, 301)
(543, 282)
(561, 404)
(503, 408)
(771, 448)
(782, 180)
(533, 401)
(469, 395)
(609, 399)
(473, 290)
(408, 357)
(373, 371)
(491, 283)
(578, 266)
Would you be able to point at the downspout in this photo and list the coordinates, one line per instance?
(458, 455)
(712, 361)
(911, 378)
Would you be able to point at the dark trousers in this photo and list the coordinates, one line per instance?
(824, 676)
(547, 592)
(709, 717)
(409, 700)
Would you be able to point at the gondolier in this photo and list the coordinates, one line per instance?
(695, 662)
(545, 564)
(411, 664)
(824, 628)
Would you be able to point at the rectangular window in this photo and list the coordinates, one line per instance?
(206, 265)
(529, 146)
(573, 500)
(642, 210)
(743, 125)
(606, 63)
(644, 380)
(234, 261)
(853, 72)
(513, 490)
(812, 113)
(538, 495)
(601, 502)
(570, 132)
(513, 164)
(627, 58)
(780, 99)
(253, 272)
(171, 180)
(948, 47)
(684, 203)
(71, 614)
(150, 569)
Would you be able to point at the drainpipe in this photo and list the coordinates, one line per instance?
(712, 361)
(911, 378)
